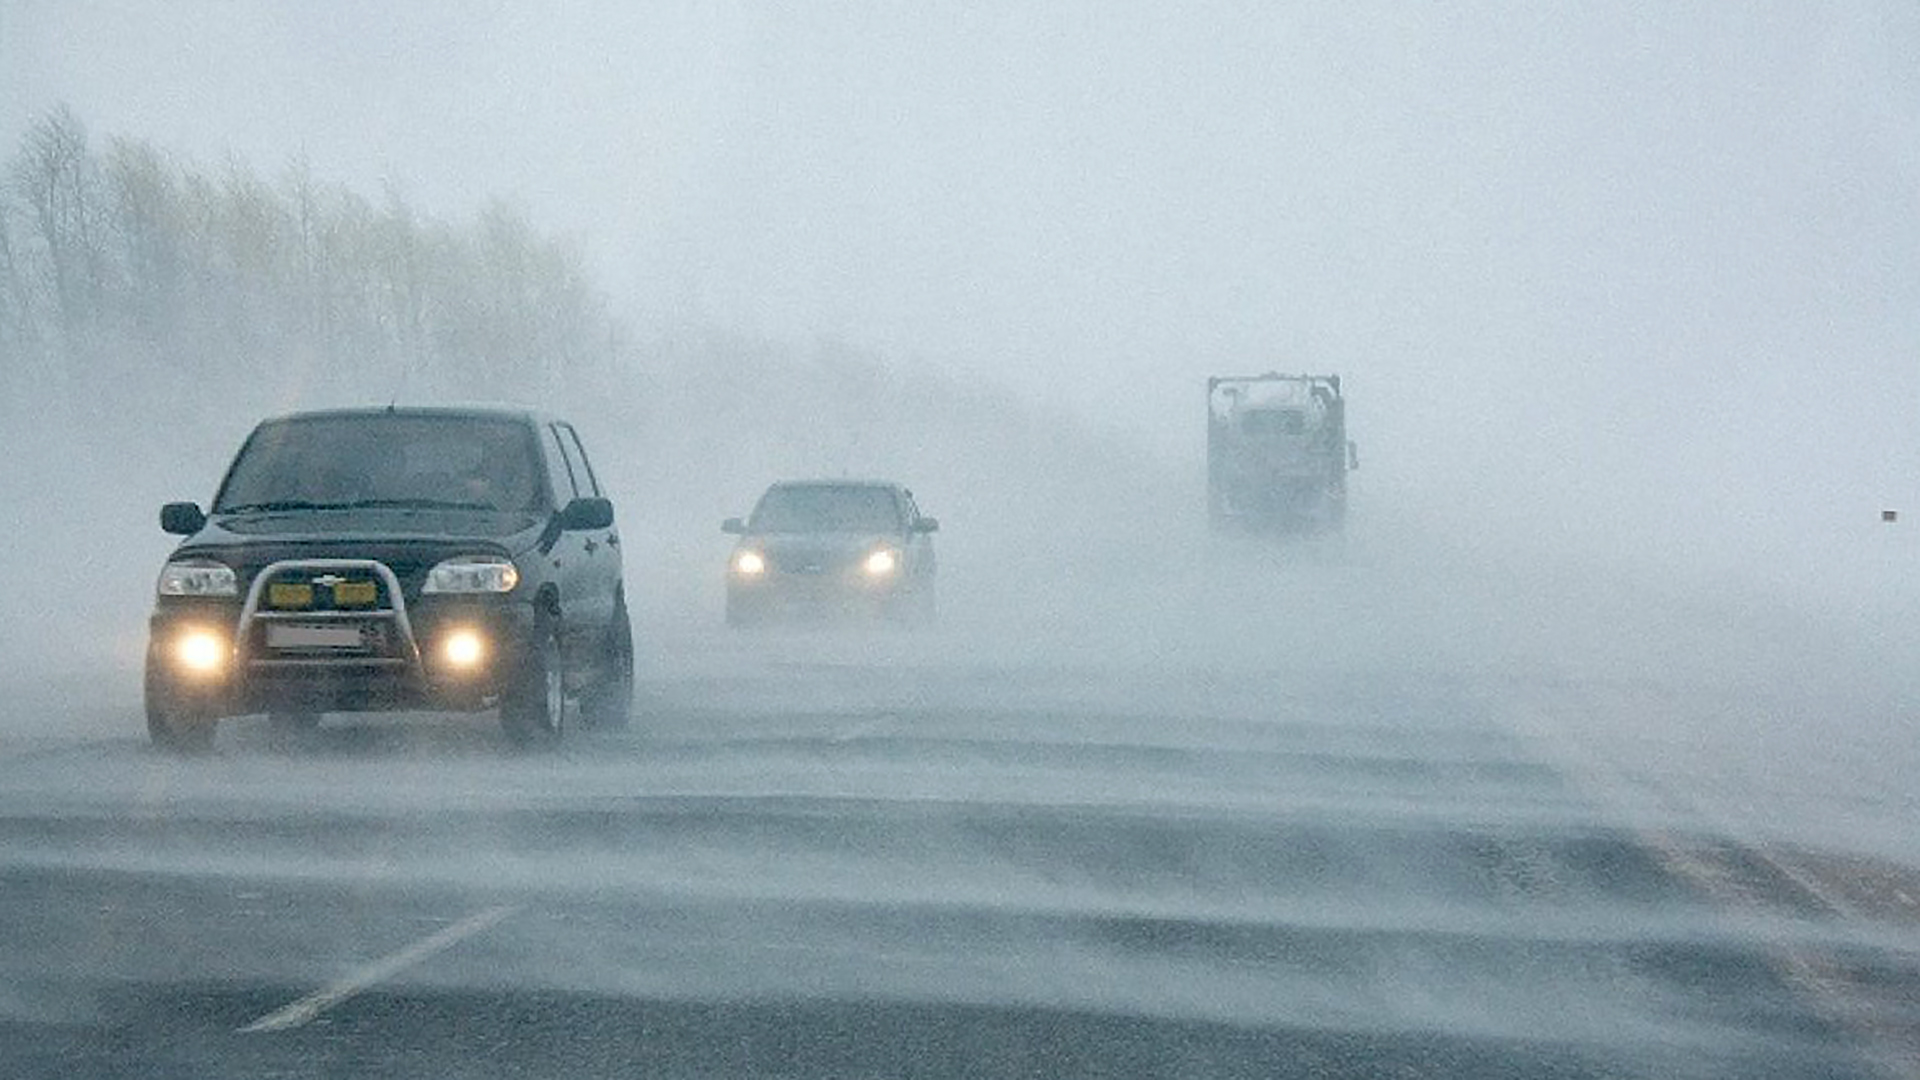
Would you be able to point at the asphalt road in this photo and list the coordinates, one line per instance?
(825, 855)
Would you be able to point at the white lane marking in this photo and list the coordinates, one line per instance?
(866, 729)
(305, 1009)
(1832, 992)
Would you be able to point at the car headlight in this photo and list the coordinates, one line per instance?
(197, 577)
(882, 562)
(749, 564)
(473, 574)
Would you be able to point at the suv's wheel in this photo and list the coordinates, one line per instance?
(180, 731)
(174, 725)
(608, 703)
(534, 706)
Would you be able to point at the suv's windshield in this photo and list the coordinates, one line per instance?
(329, 462)
(826, 508)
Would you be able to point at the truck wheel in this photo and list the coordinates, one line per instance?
(1337, 511)
(533, 708)
(609, 702)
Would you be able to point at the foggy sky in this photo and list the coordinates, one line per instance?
(1649, 273)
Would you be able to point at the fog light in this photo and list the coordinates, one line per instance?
(463, 648)
(749, 564)
(882, 562)
(200, 652)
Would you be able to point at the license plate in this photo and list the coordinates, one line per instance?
(287, 595)
(313, 636)
(355, 593)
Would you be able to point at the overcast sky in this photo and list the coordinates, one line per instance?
(1663, 254)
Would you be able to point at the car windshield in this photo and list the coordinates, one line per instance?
(826, 508)
(333, 462)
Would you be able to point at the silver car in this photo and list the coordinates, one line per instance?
(832, 548)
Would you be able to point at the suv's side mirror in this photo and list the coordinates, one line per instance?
(182, 518)
(926, 525)
(734, 527)
(587, 512)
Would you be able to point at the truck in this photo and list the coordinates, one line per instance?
(1277, 453)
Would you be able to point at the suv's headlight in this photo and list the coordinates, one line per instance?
(197, 577)
(473, 574)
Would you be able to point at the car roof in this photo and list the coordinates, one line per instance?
(835, 483)
(474, 412)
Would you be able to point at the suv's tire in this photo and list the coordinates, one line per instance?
(176, 726)
(533, 708)
(608, 703)
(180, 731)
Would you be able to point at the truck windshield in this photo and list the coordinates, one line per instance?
(823, 508)
(335, 462)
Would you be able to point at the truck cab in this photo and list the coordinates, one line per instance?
(1277, 453)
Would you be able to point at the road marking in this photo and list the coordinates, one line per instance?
(865, 729)
(304, 1010)
(1834, 994)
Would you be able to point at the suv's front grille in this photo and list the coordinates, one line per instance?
(326, 612)
(298, 589)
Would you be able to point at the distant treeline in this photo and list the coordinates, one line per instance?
(130, 280)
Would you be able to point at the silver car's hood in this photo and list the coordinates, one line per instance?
(815, 552)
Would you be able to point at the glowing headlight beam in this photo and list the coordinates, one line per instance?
(882, 562)
(200, 652)
(463, 648)
(749, 564)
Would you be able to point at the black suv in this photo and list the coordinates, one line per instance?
(832, 547)
(394, 558)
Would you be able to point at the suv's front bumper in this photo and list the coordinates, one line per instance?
(232, 656)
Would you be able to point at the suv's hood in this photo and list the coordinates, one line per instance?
(410, 543)
(505, 528)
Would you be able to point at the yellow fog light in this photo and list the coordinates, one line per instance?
(464, 648)
(201, 652)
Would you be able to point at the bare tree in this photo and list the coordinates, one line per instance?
(144, 196)
(18, 349)
(133, 277)
(57, 178)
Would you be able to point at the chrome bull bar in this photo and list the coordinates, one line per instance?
(394, 612)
